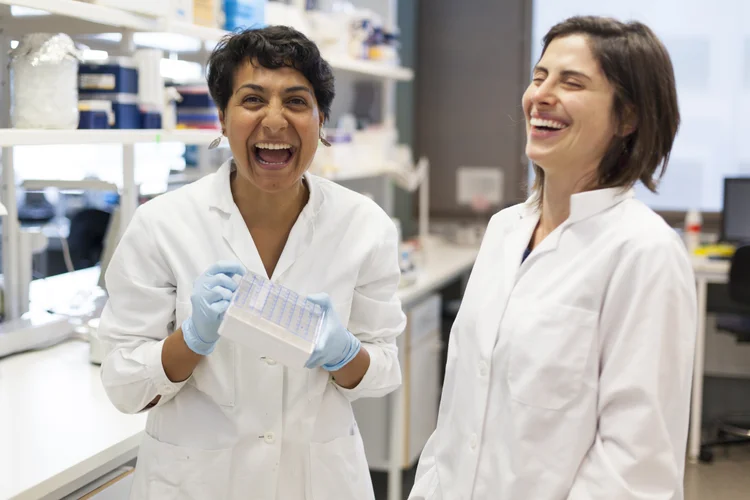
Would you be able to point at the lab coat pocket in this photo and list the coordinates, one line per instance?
(169, 472)
(339, 471)
(550, 347)
(215, 375)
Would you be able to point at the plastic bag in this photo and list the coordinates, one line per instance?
(44, 82)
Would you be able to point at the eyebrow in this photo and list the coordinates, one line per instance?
(564, 73)
(289, 90)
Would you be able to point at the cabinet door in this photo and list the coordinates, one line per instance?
(424, 393)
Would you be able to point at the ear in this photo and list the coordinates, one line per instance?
(322, 119)
(629, 122)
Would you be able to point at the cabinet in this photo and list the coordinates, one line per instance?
(396, 428)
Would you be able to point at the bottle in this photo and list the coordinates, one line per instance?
(693, 226)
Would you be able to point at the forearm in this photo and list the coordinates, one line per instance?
(352, 373)
(178, 359)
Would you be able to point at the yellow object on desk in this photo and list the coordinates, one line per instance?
(719, 250)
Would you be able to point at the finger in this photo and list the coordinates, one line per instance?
(321, 299)
(227, 267)
(217, 294)
(219, 308)
(221, 280)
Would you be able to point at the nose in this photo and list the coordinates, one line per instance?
(274, 121)
(544, 95)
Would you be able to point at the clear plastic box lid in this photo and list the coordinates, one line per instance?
(279, 305)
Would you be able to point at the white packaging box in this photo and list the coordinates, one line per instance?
(272, 320)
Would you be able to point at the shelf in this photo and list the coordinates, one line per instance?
(80, 18)
(370, 68)
(349, 174)
(27, 137)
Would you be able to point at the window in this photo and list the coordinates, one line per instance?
(710, 51)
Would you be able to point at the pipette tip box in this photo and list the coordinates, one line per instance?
(272, 320)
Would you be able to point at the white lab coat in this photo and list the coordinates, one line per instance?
(243, 426)
(569, 375)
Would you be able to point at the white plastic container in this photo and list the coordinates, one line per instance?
(96, 350)
(44, 82)
(273, 321)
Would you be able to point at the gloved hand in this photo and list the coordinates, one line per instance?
(336, 345)
(212, 293)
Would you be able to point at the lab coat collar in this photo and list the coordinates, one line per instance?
(221, 195)
(583, 205)
(238, 237)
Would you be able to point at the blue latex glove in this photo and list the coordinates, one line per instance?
(336, 345)
(212, 293)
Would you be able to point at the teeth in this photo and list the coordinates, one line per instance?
(538, 122)
(268, 145)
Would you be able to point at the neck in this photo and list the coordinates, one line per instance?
(556, 198)
(260, 209)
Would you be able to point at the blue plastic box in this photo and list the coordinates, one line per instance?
(244, 14)
(118, 75)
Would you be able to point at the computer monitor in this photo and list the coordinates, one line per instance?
(735, 226)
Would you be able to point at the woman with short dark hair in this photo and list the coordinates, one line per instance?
(570, 361)
(227, 421)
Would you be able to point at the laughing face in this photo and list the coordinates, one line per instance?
(273, 123)
(569, 109)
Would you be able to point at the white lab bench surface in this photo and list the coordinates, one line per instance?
(58, 429)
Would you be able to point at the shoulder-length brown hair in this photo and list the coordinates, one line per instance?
(638, 66)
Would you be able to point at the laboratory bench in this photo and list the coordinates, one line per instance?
(59, 431)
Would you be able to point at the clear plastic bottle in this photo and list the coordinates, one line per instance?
(692, 230)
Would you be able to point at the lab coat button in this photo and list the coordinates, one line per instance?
(269, 438)
(483, 369)
(270, 362)
(473, 441)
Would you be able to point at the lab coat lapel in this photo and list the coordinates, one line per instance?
(500, 284)
(233, 228)
(516, 242)
(301, 236)
(238, 237)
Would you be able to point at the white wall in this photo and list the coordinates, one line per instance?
(710, 49)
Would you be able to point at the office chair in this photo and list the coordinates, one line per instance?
(88, 228)
(734, 429)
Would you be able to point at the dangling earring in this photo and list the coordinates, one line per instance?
(323, 139)
(215, 143)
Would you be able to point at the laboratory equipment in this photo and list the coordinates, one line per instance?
(273, 320)
(151, 99)
(244, 14)
(207, 13)
(95, 114)
(96, 350)
(735, 226)
(33, 330)
(43, 71)
(114, 79)
(197, 110)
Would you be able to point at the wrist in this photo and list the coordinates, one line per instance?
(193, 339)
(347, 356)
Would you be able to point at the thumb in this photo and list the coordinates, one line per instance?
(321, 299)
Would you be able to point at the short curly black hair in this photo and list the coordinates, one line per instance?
(271, 47)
